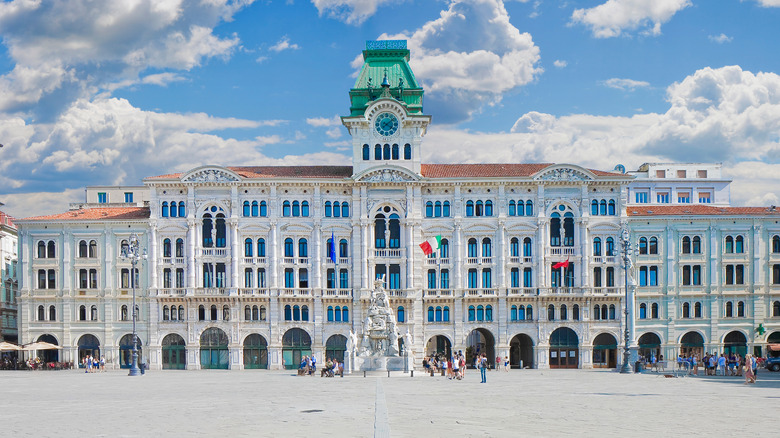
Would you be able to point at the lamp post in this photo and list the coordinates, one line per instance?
(625, 243)
(133, 253)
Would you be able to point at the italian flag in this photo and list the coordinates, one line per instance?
(431, 245)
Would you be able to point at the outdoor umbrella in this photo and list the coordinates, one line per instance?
(41, 346)
(7, 346)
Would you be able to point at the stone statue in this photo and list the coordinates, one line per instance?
(352, 342)
(408, 342)
(380, 334)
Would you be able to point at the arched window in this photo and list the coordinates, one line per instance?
(514, 247)
(611, 207)
(520, 208)
(255, 313)
(248, 245)
(247, 313)
(597, 246)
(52, 313)
(213, 312)
(487, 247)
(429, 209)
(480, 313)
(366, 153)
(469, 208)
(527, 247)
(304, 313)
(529, 313)
(564, 312)
(303, 248)
(201, 313)
(521, 313)
(41, 250)
(430, 313)
(337, 314)
(288, 313)
(345, 209)
(643, 245)
(261, 247)
(378, 152)
(262, 313)
(41, 313)
(446, 209)
(603, 207)
(166, 314)
(330, 313)
(479, 209)
(513, 313)
(288, 247)
(386, 152)
(594, 207)
(407, 151)
(488, 208)
(610, 246)
(729, 309)
(739, 245)
(740, 309)
(697, 245)
(776, 308)
(51, 250)
(263, 209)
(551, 312)
(686, 310)
(446, 316)
(612, 313)
(437, 209)
(596, 312)
(776, 244)
(305, 208)
(575, 313)
(653, 248)
(529, 208)
(512, 208)
(729, 249)
(654, 311)
(643, 311)
(686, 245)
(93, 313)
(697, 310)
(286, 209)
(166, 247)
(444, 249)
(296, 313)
(488, 313)
(296, 208)
(164, 212)
(472, 247)
(255, 209)
(400, 314)
(395, 152)
(438, 314)
(472, 313)
(173, 209)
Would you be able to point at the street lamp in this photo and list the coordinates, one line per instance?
(133, 253)
(625, 243)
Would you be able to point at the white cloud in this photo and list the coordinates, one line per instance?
(469, 57)
(70, 49)
(625, 84)
(283, 44)
(560, 63)
(724, 115)
(260, 59)
(769, 3)
(350, 11)
(720, 39)
(324, 121)
(162, 79)
(334, 132)
(614, 17)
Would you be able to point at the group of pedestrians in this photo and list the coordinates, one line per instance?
(713, 364)
(93, 364)
(308, 366)
(454, 367)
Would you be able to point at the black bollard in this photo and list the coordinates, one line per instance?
(364, 373)
(412, 372)
(388, 373)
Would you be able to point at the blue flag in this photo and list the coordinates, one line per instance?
(332, 253)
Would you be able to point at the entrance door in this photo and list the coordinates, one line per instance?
(296, 344)
(255, 352)
(564, 348)
(214, 353)
(521, 352)
(605, 351)
(174, 352)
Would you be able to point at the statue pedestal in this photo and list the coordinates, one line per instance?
(378, 363)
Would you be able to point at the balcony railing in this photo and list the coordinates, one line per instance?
(560, 251)
(213, 252)
(561, 291)
(172, 291)
(296, 292)
(341, 260)
(254, 292)
(254, 260)
(436, 261)
(338, 292)
(470, 293)
(603, 259)
(607, 291)
(389, 253)
(521, 291)
(438, 293)
(211, 291)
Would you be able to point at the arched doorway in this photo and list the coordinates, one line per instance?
(692, 343)
(438, 345)
(335, 347)
(480, 341)
(296, 344)
(174, 352)
(649, 345)
(88, 346)
(48, 355)
(735, 342)
(774, 338)
(564, 348)
(605, 351)
(126, 351)
(521, 352)
(214, 353)
(255, 352)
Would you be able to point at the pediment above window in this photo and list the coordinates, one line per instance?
(387, 175)
(210, 174)
(564, 174)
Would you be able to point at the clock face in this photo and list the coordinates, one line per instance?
(386, 124)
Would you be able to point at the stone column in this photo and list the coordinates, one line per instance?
(235, 253)
(153, 265)
(191, 248)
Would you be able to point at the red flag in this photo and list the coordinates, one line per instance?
(560, 265)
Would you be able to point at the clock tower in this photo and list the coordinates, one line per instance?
(386, 120)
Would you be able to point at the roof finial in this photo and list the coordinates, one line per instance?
(385, 82)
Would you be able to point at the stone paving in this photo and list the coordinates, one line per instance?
(541, 403)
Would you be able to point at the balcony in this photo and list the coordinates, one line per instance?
(211, 291)
(439, 293)
(437, 261)
(173, 292)
(477, 293)
(519, 260)
(338, 293)
(341, 260)
(295, 260)
(394, 253)
(607, 291)
(522, 291)
(603, 259)
(44, 263)
(561, 291)
(398, 293)
(213, 252)
(295, 292)
(254, 292)
(254, 260)
(560, 251)
(173, 260)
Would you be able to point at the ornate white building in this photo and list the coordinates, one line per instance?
(9, 285)
(256, 266)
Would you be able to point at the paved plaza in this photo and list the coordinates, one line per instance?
(539, 403)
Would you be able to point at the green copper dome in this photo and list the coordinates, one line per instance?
(386, 60)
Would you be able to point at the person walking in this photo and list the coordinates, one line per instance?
(721, 364)
(483, 368)
(749, 376)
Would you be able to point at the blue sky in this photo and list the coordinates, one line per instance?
(107, 93)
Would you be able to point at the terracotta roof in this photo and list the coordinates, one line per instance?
(427, 170)
(6, 220)
(699, 210)
(98, 213)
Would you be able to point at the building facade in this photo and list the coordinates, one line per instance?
(9, 286)
(257, 266)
